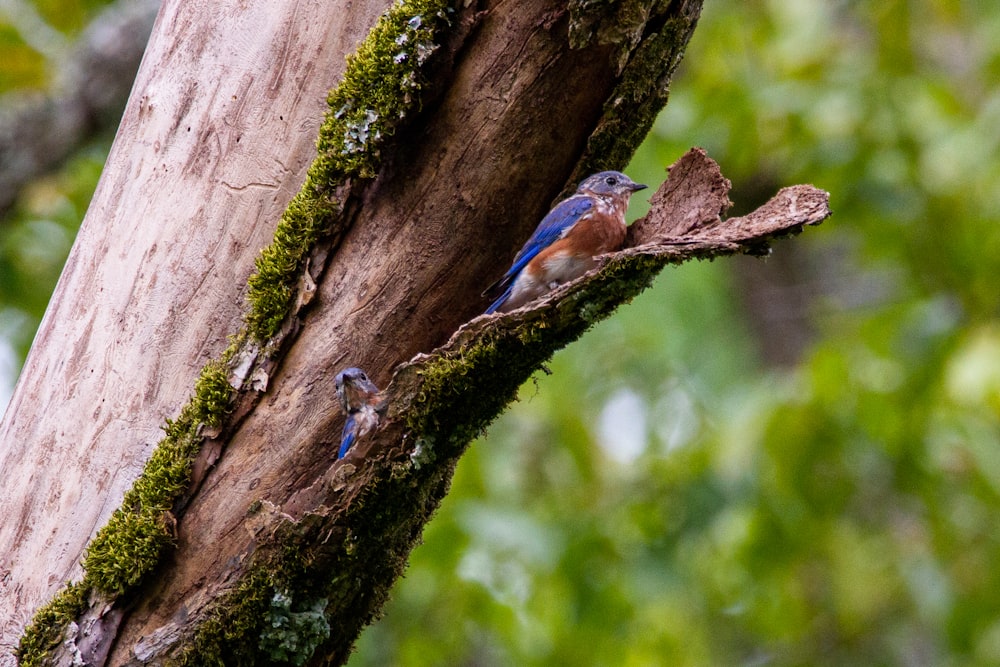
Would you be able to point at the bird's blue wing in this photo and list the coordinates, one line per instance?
(552, 226)
(347, 437)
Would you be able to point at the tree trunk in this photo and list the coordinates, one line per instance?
(217, 136)
(242, 515)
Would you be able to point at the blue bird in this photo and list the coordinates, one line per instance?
(363, 404)
(566, 241)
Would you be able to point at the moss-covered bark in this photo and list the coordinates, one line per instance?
(380, 91)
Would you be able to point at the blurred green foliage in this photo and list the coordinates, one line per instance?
(23, 67)
(35, 240)
(33, 34)
(667, 497)
(36, 235)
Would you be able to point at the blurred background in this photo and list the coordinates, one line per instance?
(788, 461)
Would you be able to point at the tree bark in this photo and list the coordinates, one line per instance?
(217, 136)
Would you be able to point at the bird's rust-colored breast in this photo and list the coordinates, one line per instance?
(596, 233)
(600, 232)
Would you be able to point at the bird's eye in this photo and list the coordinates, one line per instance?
(611, 180)
(364, 378)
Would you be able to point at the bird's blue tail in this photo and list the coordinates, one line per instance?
(347, 437)
(500, 300)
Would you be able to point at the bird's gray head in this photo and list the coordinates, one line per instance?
(353, 388)
(609, 183)
(352, 375)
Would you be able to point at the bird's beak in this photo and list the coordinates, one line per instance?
(637, 186)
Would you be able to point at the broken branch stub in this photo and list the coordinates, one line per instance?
(449, 395)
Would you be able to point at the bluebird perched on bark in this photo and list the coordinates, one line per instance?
(363, 404)
(563, 247)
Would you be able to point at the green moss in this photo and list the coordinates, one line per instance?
(460, 390)
(46, 630)
(381, 86)
(380, 89)
(257, 621)
(650, 38)
(223, 638)
(130, 545)
(619, 23)
(272, 286)
(638, 98)
(292, 636)
(212, 396)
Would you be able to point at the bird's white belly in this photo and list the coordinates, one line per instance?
(558, 268)
(366, 418)
(562, 267)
